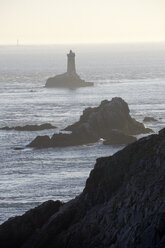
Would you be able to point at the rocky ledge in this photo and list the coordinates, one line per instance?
(97, 123)
(122, 205)
(30, 127)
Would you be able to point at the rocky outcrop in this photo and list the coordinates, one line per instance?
(114, 114)
(96, 123)
(30, 127)
(16, 231)
(122, 205)
(61, 140)
(148, 119)
(41, 142)
(117, 138)
(66, 80)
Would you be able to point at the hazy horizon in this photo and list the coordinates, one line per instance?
(85, 44)
(44, 22)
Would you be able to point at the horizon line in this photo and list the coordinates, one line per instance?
(81, 43)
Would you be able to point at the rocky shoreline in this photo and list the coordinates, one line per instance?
(121, 206)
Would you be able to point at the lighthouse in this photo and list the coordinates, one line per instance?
(69, 79)
(71, 69)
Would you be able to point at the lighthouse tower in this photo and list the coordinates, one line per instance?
(71, 69)
(69, 79)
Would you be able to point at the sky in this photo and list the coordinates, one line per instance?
(81, 21)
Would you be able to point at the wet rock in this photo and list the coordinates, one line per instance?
(30, 127)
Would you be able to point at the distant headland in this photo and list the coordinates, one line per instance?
(69, 79)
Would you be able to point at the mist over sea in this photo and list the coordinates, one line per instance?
(28, 177)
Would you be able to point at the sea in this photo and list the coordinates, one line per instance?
(28, 177)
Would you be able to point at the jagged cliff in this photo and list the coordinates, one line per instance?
(122, 205)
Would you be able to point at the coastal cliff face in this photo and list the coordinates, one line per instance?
(95, 123)
(122, 205)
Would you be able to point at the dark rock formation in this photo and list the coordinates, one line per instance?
(109, 115)
(148, 119)
(96, 123)
(70, 79)
(122, 205)
(30, 127)
(16, 231)
(61, 140)
(41, 142)
(118, 138)
(18, 148)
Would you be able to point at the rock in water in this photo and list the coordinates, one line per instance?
(118, 138)
(114, 114)
(41, 142)
(96, 123)
(67, 81)
(30, 127)
(122, 205)
(148, 119)
(70, 79)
